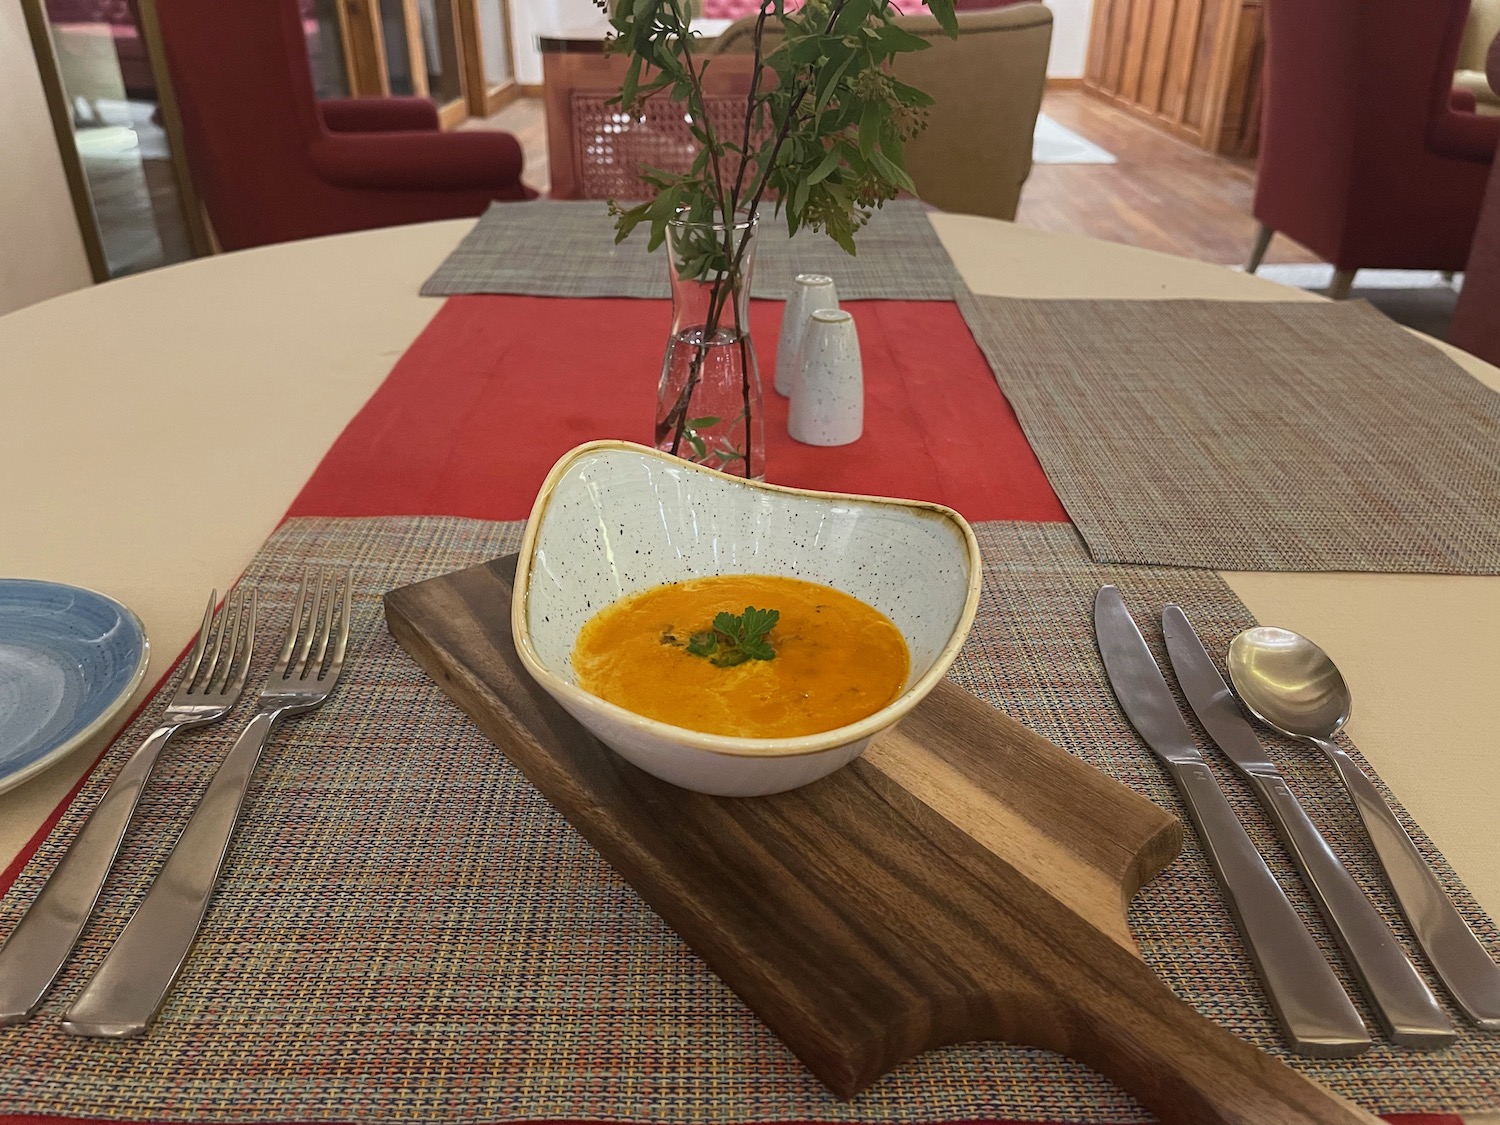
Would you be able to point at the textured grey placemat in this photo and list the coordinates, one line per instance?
(406, 933)
(566, 248)
(1250, 436)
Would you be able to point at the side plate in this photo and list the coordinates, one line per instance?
(70, 659)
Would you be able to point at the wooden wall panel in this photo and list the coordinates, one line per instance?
(1119, 22)
(1239, 132)
(1135, 50)
(1098, 38)
(1179, 64)
(1158, 43)
(1191, 67)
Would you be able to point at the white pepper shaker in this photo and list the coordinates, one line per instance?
(810, 292)
(828, 399)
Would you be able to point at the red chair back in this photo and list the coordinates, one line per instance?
(1357, 156)
(239, 70)
(264, 160)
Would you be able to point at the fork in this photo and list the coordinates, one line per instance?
(131, 985)
(38, 947)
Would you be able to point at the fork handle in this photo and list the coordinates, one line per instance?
(121, 998)
(38, 947)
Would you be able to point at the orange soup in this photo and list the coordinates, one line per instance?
(835, 659)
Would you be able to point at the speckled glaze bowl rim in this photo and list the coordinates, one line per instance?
(733, 746)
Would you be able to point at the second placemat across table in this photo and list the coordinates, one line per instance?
(1251, 436)
(566, 248)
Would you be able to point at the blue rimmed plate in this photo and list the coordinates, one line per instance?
(69, 660)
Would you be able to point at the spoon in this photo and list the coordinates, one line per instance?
(1292, 686)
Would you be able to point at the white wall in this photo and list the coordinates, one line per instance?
(530, 18)
(41, 251)
(1070, 37)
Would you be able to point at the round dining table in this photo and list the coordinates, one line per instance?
(158, 427)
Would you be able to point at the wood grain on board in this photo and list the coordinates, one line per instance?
(965, 879)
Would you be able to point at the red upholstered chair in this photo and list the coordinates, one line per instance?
(272, 164)
(1476, 318)
(1366, 157)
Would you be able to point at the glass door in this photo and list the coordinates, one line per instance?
(456, 52)
(133, 199)
(495, 69)
(327, 37)
(438, 27)
(422, 51)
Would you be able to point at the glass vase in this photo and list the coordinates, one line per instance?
(708, 403)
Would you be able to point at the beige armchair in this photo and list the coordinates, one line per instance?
(975, 153)
(1479, 32)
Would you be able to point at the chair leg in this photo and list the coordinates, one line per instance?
(1263, 235)
(1343, 281)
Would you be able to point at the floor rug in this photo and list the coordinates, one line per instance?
(1053, 144)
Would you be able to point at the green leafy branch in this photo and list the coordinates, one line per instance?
(824, 126)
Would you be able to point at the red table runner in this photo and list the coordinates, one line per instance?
(497, 388)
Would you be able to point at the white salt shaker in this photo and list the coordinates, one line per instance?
(828, 398)
(810, 292)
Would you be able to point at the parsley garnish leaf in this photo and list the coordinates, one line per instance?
(736, 639)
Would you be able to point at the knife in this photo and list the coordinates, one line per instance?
(1406, 1007)
(1311, 1005)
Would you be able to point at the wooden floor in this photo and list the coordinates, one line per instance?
(1163, 194)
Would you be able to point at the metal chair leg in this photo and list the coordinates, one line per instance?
(1263, 235)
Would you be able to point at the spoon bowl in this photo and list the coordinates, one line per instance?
(1289, 683)
(1292, 686)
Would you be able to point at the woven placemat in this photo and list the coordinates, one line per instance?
(1249, 436)
(566, 248)
(406, 932)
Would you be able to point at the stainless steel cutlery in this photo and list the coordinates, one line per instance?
(1406, 1007)
(129, 987)
(1292, 686)
(1315, 1012)
(212, 680)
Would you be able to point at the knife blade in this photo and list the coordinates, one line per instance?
(1315, 1013)
(1406, 1007)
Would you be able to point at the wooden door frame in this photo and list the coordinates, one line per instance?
(365, 56)
(483, 98)
(363, 40)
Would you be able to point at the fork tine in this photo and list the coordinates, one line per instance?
(233, 611)
(304, 646)
(283, 661)
(336, 664)
(221, 626)
(325, 629)
(201, 643)
(241, 666)
(212, 659)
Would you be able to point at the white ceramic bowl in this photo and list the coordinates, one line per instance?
(613, 518)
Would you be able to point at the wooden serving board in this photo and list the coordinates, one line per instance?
(964, 879)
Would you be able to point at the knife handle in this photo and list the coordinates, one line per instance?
(1315, 1012)
(1462, 963)
(1407, 1008)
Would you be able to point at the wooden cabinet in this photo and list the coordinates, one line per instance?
(1190, 66)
